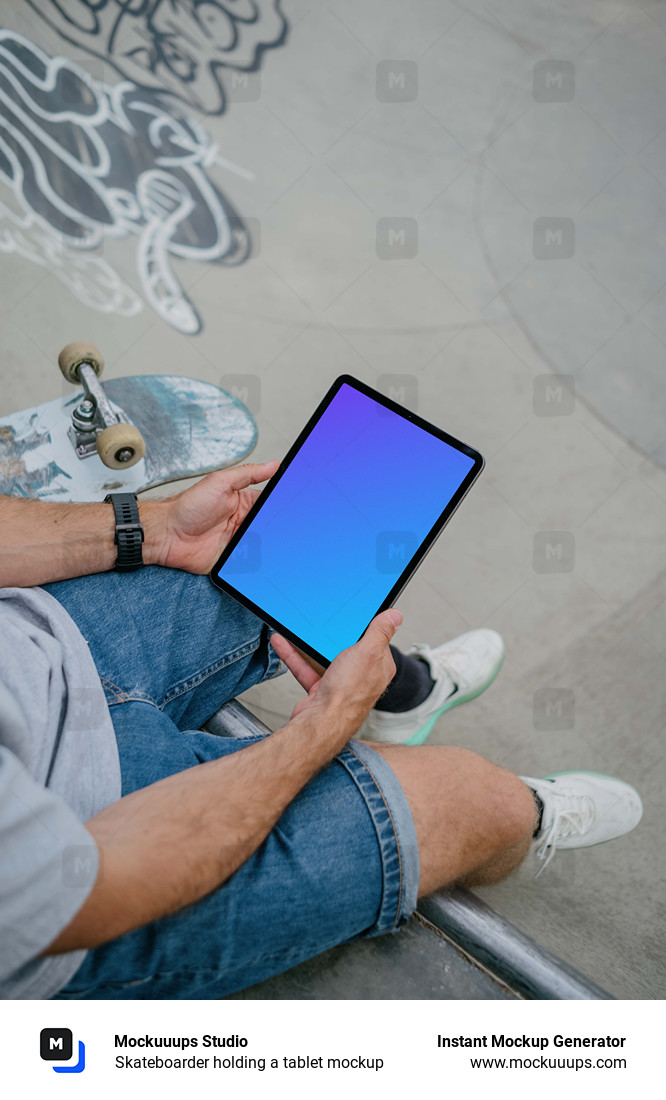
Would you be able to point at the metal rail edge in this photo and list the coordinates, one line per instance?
(515, 958)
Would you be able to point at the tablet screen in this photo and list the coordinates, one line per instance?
(329, 542)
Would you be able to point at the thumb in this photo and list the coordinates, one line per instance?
(249, 473)
(383, 627)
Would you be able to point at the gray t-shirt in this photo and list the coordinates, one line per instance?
(58, 767)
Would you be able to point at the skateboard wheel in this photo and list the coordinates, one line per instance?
(81, 351)
(120, 446)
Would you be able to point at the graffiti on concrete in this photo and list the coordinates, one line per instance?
(86, 162)
(203, 52)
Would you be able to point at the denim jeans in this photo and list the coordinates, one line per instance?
(341, 862)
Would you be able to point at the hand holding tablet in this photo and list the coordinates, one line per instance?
(345, 521)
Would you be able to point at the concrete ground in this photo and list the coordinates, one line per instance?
(456, 202)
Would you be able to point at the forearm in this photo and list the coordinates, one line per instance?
(43, 542)
(170, 844)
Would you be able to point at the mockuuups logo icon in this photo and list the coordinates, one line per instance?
(56, 1045)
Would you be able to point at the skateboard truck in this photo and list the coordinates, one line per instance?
(92, 415)
(96, 427)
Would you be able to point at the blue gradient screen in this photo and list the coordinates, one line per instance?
(332, 538)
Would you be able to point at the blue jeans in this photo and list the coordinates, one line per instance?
(342, 861)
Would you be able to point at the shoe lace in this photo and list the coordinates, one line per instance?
(574, 817)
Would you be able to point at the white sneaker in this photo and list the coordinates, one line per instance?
(461, 669)
(581, 809)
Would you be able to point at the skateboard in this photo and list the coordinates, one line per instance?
(124, 434)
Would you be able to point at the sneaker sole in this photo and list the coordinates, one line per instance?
(600, 775)
(423, 733)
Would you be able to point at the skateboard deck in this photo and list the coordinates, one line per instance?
(189, 427)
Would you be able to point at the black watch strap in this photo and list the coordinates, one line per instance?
(129, 532)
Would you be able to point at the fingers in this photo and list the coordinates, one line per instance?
(250, 473)
(295, 661)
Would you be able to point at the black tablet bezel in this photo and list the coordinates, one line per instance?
(417, 557)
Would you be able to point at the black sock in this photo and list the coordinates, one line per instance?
(410, 686)
(539, 809)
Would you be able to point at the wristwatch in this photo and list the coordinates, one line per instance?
(129, 532)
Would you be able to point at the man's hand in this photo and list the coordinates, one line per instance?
(352, 683)
(43, 541)
(167, 845)
(195, 525)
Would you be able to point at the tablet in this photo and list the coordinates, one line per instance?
(349, 515)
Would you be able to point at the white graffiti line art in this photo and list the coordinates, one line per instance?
(90, 278)
(165, 203)
(86, 161)
(198, 51)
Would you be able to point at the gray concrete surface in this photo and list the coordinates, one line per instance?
(414, 964)
(526, 145)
